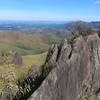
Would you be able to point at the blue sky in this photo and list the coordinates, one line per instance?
(67, 10)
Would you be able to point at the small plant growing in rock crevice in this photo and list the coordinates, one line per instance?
(98, 32)
(77, 29)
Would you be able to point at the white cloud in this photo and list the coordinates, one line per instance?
(97, 2)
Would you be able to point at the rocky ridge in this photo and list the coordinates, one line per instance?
(71, 72)
(76, 71)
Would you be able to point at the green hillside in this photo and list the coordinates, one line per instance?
(26, 43)
(37, 59)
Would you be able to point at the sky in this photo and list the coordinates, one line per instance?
(54, 10)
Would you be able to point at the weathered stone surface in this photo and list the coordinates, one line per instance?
(52, 54)
(34, 72)
(9, 92)
(77, 71)
(17, 59)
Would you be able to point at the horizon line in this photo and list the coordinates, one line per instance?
(48, 20)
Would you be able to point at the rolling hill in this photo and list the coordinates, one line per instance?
(28, 38)
(25, 42)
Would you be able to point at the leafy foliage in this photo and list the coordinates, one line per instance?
(10, 74)
(80, 28)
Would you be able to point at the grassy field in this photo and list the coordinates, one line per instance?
(37, 59)
(23, 42)
(26, 43)
(10, 73)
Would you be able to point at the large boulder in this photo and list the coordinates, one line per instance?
(17, 58)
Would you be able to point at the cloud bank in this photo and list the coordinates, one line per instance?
(97, 2)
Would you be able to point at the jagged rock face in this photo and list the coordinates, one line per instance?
(34, 71)
(52, 55)
(76, 71)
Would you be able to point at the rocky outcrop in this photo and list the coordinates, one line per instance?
(17, 59)
(76, 71)
(8, 91)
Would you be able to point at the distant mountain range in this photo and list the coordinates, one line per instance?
(33, 37)
(95, 24)
(29, 37)
(31, 25)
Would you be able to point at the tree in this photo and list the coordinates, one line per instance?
(98, 32)
(80, 28)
